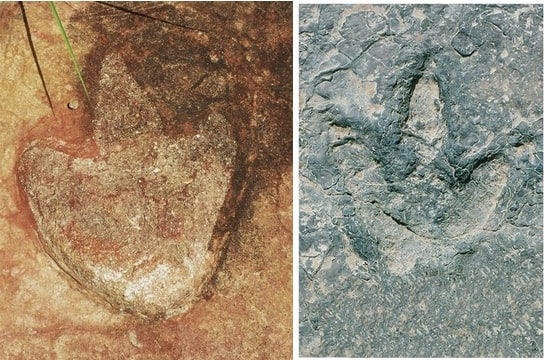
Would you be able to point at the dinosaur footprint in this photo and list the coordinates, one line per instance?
(134, 224)
(440, 207)
(430, 212)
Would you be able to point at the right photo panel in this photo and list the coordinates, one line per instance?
(421, 181)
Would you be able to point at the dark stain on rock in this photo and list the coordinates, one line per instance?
(249, 58)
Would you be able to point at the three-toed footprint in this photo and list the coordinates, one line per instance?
(419, 194)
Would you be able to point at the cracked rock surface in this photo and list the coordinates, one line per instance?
(421, 180)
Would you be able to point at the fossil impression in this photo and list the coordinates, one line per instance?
(135, 223)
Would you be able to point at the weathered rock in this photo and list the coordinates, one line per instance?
(421, 146)
(134, 223)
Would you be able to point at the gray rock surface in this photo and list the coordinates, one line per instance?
(421, 180)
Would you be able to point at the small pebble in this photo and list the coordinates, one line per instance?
(214, 58)
(73, 104)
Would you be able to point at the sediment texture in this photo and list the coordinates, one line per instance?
(135, 223)
(184, 141)
(421, 180)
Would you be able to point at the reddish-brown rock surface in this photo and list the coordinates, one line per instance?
(135, 223)
(189, 126)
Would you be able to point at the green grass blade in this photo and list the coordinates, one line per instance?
(69, 48)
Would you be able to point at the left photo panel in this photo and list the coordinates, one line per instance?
(146, 180)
